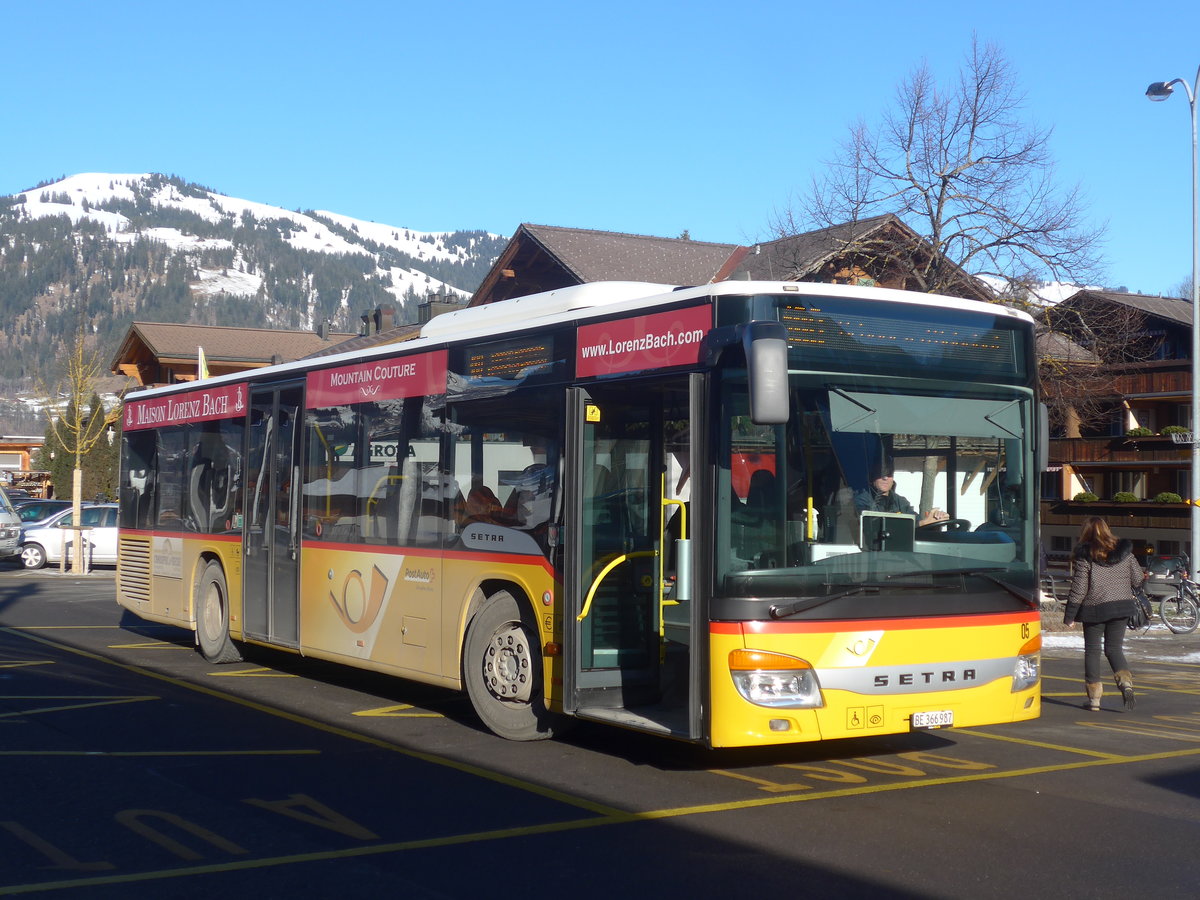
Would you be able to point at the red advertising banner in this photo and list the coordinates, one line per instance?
(202, 405)
(384, 379)
(654, 341)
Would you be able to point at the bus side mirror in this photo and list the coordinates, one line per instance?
(765, 344)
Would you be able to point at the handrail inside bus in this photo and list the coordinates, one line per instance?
(591, 594)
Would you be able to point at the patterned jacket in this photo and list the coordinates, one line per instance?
(1101, 591)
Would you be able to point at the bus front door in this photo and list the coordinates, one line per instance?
(271, 522)
(629, 637)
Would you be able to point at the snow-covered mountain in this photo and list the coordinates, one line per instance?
(102, 198)
(101, 250)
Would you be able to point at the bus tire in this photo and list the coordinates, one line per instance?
(212, 616)
(502, 668)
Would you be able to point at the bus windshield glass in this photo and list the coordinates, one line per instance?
(879, 497)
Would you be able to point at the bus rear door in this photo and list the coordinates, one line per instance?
(271, 536)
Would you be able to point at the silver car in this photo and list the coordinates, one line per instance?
(49, 541)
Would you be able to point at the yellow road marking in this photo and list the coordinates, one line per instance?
(19, 664)
(105, 701)
(150, 645)
(252, 673)
(160, 753)
(1160, 726)
(76, 627)
(1040, 744)
(395, 712)
(458, 766)
(614, 818)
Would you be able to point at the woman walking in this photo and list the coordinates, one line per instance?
(1105, 576)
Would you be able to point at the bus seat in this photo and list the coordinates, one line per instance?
(484, 506)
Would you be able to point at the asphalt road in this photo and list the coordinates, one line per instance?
(132, 768)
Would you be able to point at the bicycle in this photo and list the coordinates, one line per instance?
(1181, 613)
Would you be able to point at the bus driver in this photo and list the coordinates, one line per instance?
(881, 496)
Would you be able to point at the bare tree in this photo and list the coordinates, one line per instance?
(1082, 355)
(1183, 289)
(960, 167)
(78, 428)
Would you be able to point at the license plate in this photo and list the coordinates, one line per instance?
(937, 718)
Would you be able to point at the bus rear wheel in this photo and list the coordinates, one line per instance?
(212, 616)
(502, 668)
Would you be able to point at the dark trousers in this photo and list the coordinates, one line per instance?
(1111, 635)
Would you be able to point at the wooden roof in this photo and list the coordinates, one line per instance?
(160, 353)
(396, 335)
(542, 258)
(1171, 309)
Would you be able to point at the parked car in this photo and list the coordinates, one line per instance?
(48, 542)
(35, 512)
(1163, 575)
(10, 528)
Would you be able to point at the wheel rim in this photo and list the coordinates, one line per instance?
(32, 557)
(508, 664)
(211, 612)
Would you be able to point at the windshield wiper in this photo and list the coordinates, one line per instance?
(783, 610)
(803, 604)
(984, 573)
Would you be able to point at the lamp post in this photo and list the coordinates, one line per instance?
(1161, 90)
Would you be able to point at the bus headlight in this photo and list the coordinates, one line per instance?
(775, 679)
(1028, 667)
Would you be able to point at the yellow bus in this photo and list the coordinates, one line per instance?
(748, 513)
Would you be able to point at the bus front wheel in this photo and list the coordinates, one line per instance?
(502, 668)
(212, 617)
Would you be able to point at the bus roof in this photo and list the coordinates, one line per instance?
(587, 301)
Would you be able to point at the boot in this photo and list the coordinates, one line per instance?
(1125, 683)
(1095, 690)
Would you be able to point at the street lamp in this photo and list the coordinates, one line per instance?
(1161, 90)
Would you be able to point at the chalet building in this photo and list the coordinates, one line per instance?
(544, 258)
(155, 353)
(1131, 452)
(17, 452)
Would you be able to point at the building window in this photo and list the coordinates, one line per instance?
(1128, 482)
(1052, 485)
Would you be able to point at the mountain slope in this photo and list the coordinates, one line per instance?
(98, 251)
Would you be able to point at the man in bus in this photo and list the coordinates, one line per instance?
(881, 496)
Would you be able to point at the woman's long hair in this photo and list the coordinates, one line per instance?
(1099, 538)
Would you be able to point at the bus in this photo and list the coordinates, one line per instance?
(626, 503)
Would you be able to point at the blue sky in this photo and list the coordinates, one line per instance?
(647, 117)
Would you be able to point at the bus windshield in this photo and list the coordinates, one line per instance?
(883, 497)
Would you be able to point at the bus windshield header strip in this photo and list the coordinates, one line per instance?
(383, 379)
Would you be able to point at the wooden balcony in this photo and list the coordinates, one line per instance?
(1121, 517)
(1162, 382)
(1124, 451)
